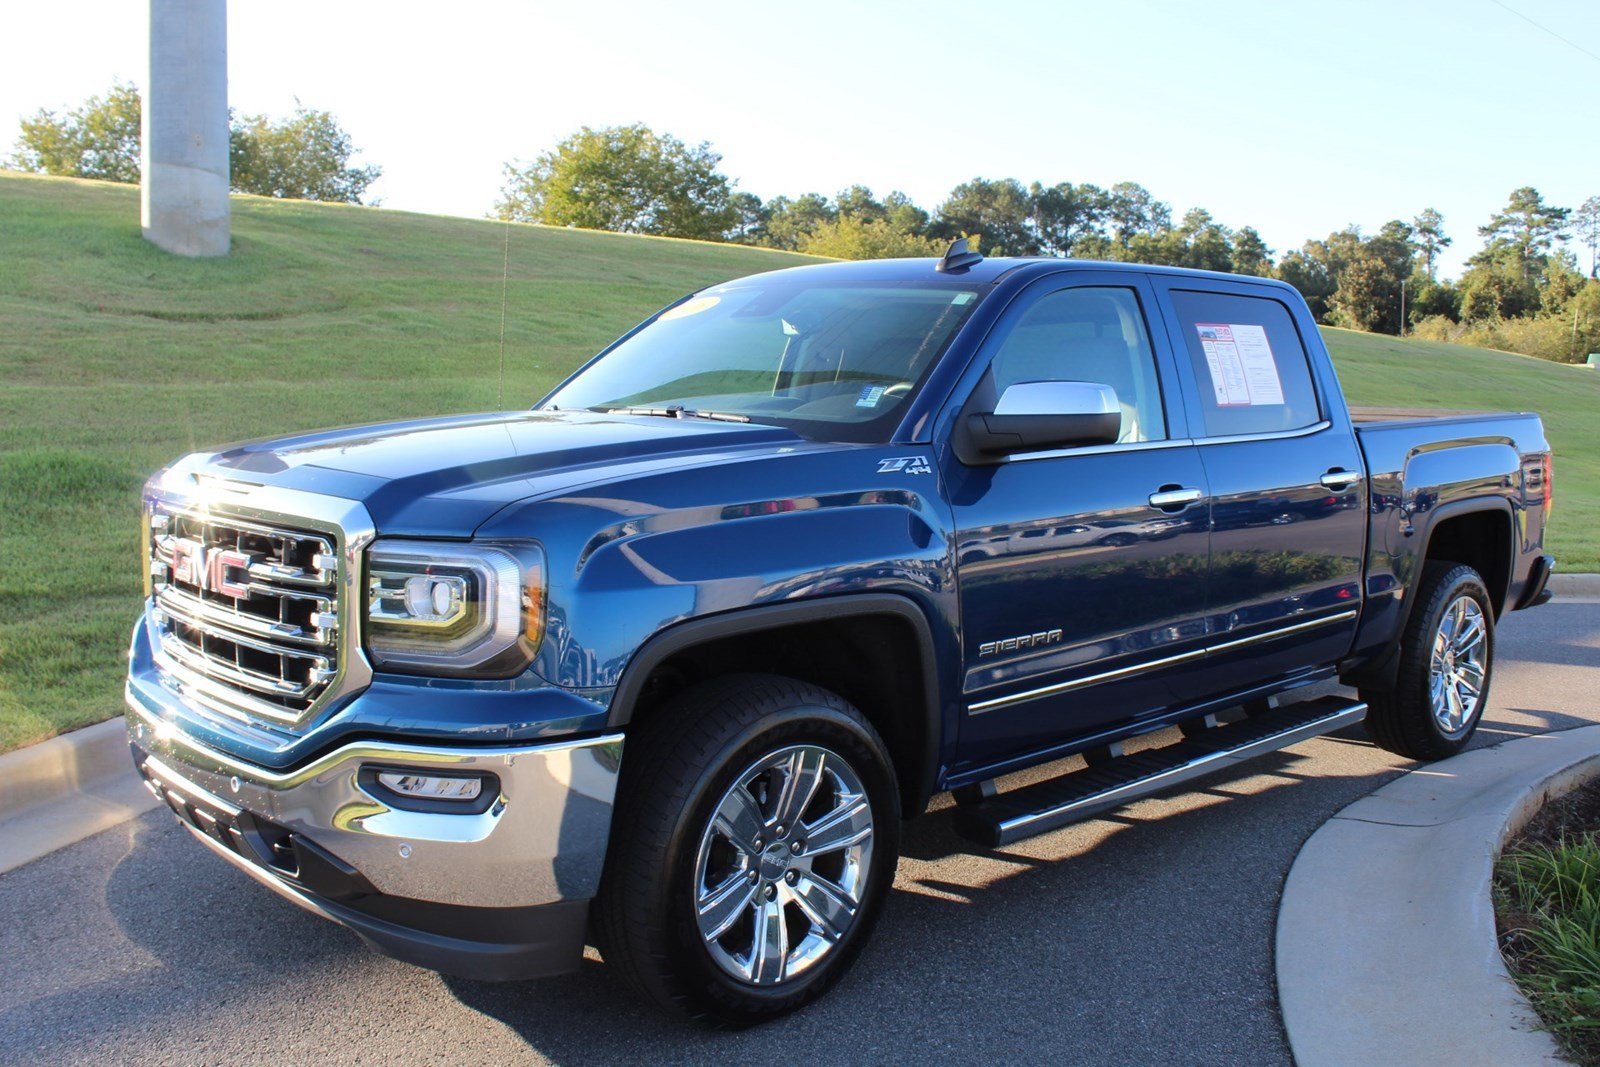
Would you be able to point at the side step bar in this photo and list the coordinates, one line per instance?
(1034, 809)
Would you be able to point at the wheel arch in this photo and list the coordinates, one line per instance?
(874, 649)
(1479, 533)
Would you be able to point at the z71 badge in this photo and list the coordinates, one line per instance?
(904, 465)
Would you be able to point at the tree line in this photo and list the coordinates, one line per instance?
(304, 157)
(1524, 290)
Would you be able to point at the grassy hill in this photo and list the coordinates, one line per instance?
(116, 357)
(1381, 371)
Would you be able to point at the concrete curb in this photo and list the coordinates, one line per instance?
(53, 768)
(1386, 944)
(66, 789)
(1576, 588)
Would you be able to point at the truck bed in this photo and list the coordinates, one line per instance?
(1364, 416)
(1393, 437)
(1424, 464)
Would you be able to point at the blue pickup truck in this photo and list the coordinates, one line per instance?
(661, 664)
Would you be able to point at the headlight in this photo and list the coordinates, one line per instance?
(438, 607)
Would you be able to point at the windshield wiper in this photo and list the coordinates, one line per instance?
(678, 411)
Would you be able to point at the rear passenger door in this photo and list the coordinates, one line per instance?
(1288, 490)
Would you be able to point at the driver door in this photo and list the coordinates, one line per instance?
(1082, 571)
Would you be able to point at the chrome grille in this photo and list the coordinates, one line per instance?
(247, 613)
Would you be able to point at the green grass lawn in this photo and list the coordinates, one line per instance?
(115, 358)
(1381, 371)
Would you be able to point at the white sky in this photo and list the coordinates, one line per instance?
(1296, 118)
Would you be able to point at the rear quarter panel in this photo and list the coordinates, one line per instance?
(1423, 470)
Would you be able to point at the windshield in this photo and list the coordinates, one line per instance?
(833, 362)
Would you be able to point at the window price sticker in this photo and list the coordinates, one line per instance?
(1243, 370)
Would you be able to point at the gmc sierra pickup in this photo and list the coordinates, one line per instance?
(661, 664)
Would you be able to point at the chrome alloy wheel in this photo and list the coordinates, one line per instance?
(1459, 665)
(783, 864)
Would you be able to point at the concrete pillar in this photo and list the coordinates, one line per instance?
(183, 202)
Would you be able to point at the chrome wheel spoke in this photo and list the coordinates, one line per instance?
(739, 820)
(802, 777)
(770, 950)
(1436, 684)
(829, 907)
(1454, 712)
(1447, 629)
(848, 824)
(1469, 637)
(721, 907)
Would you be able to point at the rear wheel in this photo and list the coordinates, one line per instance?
(755, 841)
(1446, 661)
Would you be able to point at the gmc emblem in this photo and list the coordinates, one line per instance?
(219, 570)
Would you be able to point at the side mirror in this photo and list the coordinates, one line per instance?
(1038, 415)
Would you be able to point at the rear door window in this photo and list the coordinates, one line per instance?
(1250, 366)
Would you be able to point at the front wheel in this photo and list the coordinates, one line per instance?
(755, 841)
(1446, 660)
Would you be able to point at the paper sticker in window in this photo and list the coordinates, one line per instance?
(1243, 371)
(870, 395)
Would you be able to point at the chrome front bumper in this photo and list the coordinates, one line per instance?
(319, 836)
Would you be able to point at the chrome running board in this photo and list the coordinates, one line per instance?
(1011, 816)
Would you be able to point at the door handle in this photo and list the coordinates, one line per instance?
(1175, 499)
(1339, 481)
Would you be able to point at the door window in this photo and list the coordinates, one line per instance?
(1249, 364)
(1090, 334)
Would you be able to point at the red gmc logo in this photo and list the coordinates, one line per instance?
(220, 570)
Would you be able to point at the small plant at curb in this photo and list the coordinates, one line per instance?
(1548, 904)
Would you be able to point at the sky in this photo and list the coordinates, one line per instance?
(1293, 117)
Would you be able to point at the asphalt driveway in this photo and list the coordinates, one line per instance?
(1143, 937)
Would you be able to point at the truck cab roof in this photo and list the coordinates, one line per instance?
(993, 271)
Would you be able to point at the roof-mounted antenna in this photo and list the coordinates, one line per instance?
(959, 257)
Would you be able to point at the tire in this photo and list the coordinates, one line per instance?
(1418, 719)
(690, 777)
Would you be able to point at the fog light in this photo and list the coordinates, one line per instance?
(431, 787)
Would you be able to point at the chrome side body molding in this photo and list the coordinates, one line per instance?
(996, 703)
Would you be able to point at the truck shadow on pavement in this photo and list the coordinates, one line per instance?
(1142, 936)
(1034, 953)
(1149, 928)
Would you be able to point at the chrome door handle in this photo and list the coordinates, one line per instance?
(1175, 499)
(1339, 481)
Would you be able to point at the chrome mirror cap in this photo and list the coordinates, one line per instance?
(1058, 398)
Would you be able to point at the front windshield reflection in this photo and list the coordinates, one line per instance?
(830, 361)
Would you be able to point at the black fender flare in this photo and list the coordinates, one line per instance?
(1455, 510)
(1380, 672)
(680, 636)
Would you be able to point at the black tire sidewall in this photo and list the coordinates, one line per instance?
(1445, 587)
(815, 725)
(687, 974)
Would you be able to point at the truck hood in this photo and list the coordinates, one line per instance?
(444, 477)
